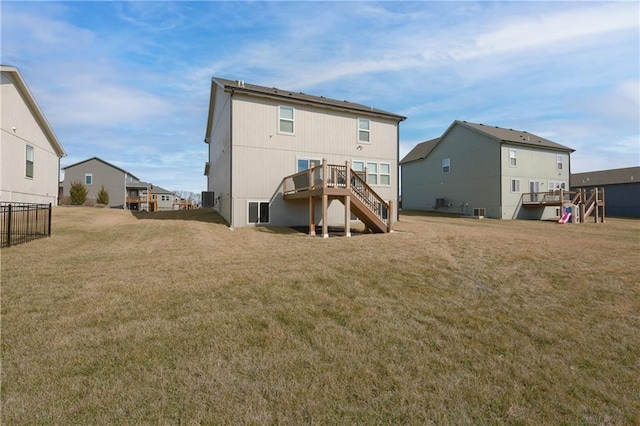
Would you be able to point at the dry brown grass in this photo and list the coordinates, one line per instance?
(171, 318)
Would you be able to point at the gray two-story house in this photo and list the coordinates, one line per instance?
(489, 171)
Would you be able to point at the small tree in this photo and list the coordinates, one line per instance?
(78, 193)
(103, 197)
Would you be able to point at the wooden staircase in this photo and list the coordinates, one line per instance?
(329, 182)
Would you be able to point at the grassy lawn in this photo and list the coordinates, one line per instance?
(170, 318)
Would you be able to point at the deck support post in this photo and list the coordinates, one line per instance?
(347, 201)
(312, 218)
(325, 226)
(390, 217)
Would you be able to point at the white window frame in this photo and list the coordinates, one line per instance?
(515, 185)
(513, 157)
(559, 162)
(259, 203)
(29, 152)
(371, 174)
(556, 185)
(90, 176)
(316, 161)
(446, 166)
(380, 174)
(291, 120)
(364, 131)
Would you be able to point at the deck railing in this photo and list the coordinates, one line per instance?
(336, 177)
(551, 197)
(22, 222)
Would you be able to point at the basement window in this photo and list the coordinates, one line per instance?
(479, 212)
(258, 212)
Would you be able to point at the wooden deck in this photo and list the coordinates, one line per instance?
(586, 203)
(330, 182)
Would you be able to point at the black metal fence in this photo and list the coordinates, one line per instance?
(22, 222)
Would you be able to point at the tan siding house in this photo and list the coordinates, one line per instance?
(29, 149)
(257, 136)
(474, 169)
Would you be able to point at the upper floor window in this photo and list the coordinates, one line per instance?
(286, 117)
(559, 161)
(513, 157)
(372, 173)
(258, 212)
(29, 166)
(88, 179)
(446, 165)
(385, 174)
(364, 130)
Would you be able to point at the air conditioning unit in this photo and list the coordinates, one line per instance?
(208, 198)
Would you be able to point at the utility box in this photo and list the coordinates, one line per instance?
(208, 199)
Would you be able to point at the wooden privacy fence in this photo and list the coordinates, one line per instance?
(22, 222)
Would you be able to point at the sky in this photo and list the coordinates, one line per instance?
(129, 82)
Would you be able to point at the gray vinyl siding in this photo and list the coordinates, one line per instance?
(473, 180)
(219, 179)
(262, 156)
(533, 164)
(15, 186)
(112, 179)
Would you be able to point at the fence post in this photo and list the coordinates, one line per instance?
(9, 227)
(49, 230)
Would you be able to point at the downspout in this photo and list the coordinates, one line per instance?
(398, 172)
(500, 179)
(231, 215)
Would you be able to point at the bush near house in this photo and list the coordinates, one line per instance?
(103, 197)
(78, 193)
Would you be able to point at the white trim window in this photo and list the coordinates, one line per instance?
(372, 173)
(258, 212)
(286, 118)
(88, 178)
(364, 130)
(30, 157)
(385, 174)
(559, 162)
(513, 158)
(446, 165)
(556, 185)
(307, 163)
(515, 185)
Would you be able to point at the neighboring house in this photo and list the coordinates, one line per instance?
(29, 149)
(621, 189)
(139, 196)
(479, 170)
(164, 199)
(258, 136)
(95, 173)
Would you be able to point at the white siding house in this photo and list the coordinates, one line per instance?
(474, 169)
(29, 149)
(258, 135)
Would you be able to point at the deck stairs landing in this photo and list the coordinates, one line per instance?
(330, 182)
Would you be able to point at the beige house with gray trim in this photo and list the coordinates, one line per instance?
(479, 170)
(30, 152)
(259, 135)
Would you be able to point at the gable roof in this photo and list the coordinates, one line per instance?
(159, 190)
(273, 92)
(502, 135)
(22, 87)
(605, 177)
(102, 161)
(512, 136)
(420, 151)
